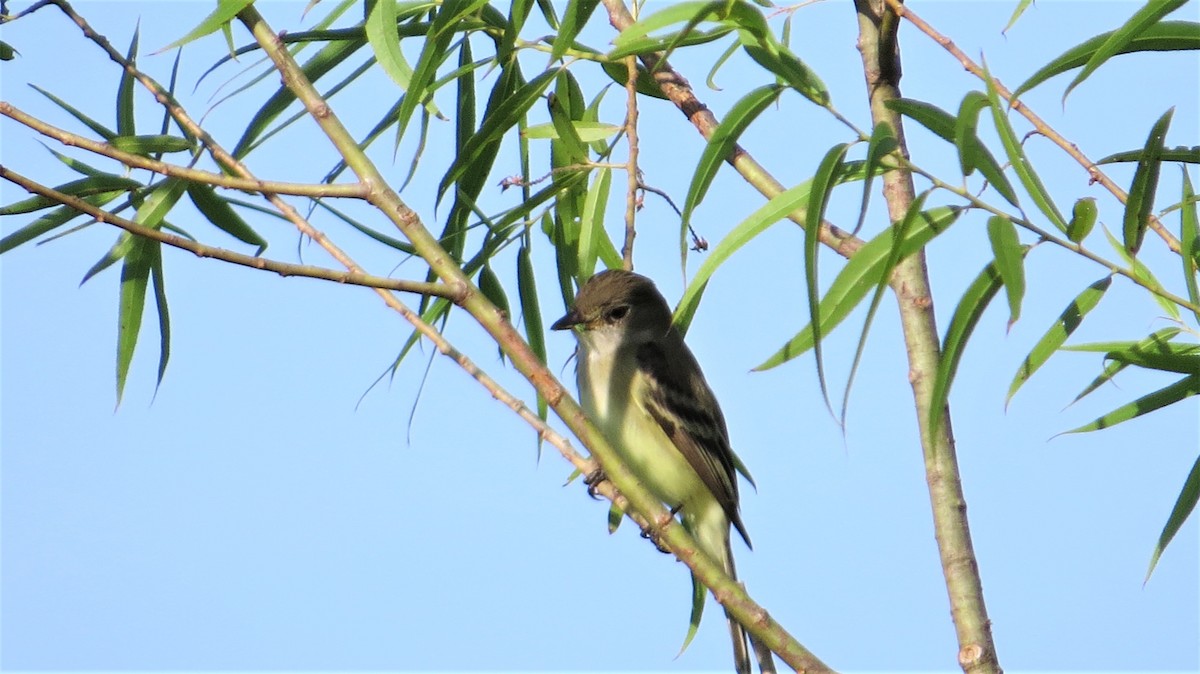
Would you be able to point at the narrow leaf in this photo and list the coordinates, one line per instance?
(223, 14)
(1179, 514)
(882, 143)
(861, 273)
(101, 130)
(1145, 182)
(1189, 241)
(135, 275)
(125, 120)
(822, 185)
(1162, 36)
(164, 315)
(220, 213)
(1062, 328)
(151, 144)
(51, 221)
(1147, 16)
(1184, 388)
(1010, 262)
(966, 316)
(1016, 157)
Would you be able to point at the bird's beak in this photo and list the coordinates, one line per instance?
(569, 321)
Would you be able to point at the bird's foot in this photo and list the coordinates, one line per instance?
(593, 480)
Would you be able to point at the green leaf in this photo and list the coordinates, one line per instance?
(899, 232)
(561, 117)
(776, 208)
(966, 316)
(1012, 20)
(1162, 36)
(971, 152)
(678, 12)
(220, 213)
(434, 51)
(1067, 322)
(326, 59)
(822, 186)
(135, 275)
(1179, 514)
(861, 273)
(531, 316)
(1187, 155)
(504, 111)
(720, 147)
(699, 596)
(125, 119)
(1145, 182)
(1173, 393)
(78, 188)
(1189, 242)
(1083, 219)
(1144, 18)
(51, 221)
(1143, 273)
(944, 125)
(158, 283)
(591, 222)
(151, 144)
(7, 52)
(1018, 160)
(224, 13)
(588, 132)
(1112, 367)
(101, 130)
(574, 18)
(1010, 262)
(882, 143)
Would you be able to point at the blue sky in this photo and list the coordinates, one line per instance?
(253, 514)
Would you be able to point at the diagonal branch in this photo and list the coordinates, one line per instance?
(1094, 172)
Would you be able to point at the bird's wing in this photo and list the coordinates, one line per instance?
(685, 408)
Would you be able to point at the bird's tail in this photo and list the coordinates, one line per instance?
(741, 651)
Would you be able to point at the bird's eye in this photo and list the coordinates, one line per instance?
(618, 312)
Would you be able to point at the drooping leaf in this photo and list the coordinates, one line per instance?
(1189, 241)
(1145, 182)
(531, 316)
(1016, 157)
(1009, 257)
(1142, 273)
(1054, 338)
(591, 222)
(125, 119)
(1184, 505)
(135, 275)
(946, 126)
(882, 143)
(1112, 367)
(220, 213)
(861, 273)
(158, 283)
(966, 316)
(1020, 9)
(822, 186)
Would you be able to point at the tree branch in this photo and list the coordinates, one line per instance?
(1094, 172)
(201, 250)
(910, 282)
(195, 175)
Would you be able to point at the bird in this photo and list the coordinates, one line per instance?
(644, 390)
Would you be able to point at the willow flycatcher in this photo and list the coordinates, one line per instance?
(642, 387)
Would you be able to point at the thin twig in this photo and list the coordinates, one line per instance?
(173, 170)
(631, 134)
(202, 250)
(1094, 172)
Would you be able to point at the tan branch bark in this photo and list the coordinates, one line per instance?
(910, 282)
(195, 175)
(212, 252)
